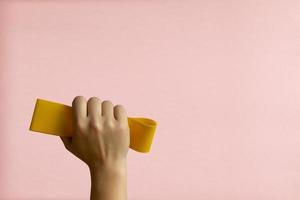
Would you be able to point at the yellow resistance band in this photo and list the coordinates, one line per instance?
(56, 119)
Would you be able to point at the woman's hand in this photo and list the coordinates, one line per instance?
(101, 138)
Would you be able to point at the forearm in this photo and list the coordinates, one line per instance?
(109, 183)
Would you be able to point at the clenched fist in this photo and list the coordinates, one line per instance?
(101, 137)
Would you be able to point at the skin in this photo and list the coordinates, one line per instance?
(101, 140)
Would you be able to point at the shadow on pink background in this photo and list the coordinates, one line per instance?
(221, 78)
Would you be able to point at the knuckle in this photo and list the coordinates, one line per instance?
(109, 124)
(95, 126)
(107, 102)
(78, 99)
(121, 109)
(93, 99)
(123, 126)
(81, 126)
(119, 106)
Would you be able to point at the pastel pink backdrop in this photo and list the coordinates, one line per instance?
(221, 78)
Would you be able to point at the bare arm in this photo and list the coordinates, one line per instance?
(102, 142)
(109, 183)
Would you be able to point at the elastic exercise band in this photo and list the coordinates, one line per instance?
(56, 119)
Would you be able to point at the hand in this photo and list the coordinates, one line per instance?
(101, 138)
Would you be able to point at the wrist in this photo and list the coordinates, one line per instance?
(117, 168)
(108, 182)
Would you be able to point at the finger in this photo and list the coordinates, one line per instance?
(107, 110)
(94, 107)
(120, 113)
(67, 141)
(79, 109)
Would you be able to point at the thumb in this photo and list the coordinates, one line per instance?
(67, 141)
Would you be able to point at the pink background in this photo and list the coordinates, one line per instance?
(221, 78)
